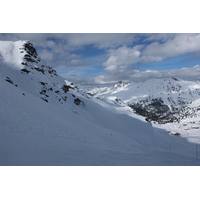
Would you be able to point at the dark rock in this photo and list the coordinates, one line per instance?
(24, 63)
(25, 71)
(43, 83)
(77, 101)
(9, 80)
(39, 70)
(43, 92)
(66, 88)
(44, 99)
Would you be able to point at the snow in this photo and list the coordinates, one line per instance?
(154, 88)
(96, 132)
(10, 51)
(188, 128)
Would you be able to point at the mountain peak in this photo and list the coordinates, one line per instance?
(18, 53)
(30, 52)
(22, 55)
(23, 68)
(121, 84)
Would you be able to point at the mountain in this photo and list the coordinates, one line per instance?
(42, 80)
(160, 100)
(46, 120)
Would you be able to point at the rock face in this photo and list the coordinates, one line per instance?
(31, 54)
(156, 110)
(31, 60)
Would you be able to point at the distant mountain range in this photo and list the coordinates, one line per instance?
(160, 100)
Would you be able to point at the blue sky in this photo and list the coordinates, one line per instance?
(109, 57)
(187, 60)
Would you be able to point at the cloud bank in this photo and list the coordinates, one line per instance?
(137, 76)
(175, 45)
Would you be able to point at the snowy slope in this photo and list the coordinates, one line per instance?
(45, 120)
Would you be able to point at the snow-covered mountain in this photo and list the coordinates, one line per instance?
(46, 120)
(35, 77)
(161, 100)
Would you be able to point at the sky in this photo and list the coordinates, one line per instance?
(109, 57)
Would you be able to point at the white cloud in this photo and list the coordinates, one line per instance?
(136, 75)
(120, 59)
(76, 63)
(180, 44)
(46, 55)
(170, 45)
(100, 40)
(147, 59)
(74, 40)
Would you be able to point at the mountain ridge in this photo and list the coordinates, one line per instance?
(156, 99)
